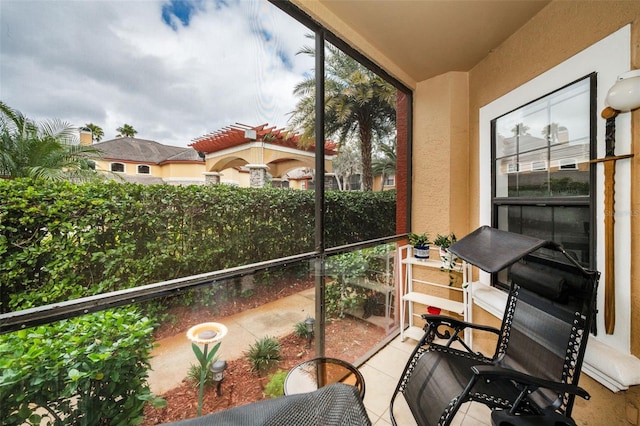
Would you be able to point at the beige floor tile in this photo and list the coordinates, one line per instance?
(373, 417)
(382, 421)
(390, 361)
(379, 388)
(401, 412)
(479, 412)
(470, 421)
(407, 346)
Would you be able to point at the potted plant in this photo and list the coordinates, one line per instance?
(444, 242)
(420, 243)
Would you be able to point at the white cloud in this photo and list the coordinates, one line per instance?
(116, 62)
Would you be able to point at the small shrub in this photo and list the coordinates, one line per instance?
(264, 354)
(300, 330)
(194, 374)
(275, 387)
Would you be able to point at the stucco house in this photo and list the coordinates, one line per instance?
(148, 162)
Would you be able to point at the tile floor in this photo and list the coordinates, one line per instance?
(381, 373)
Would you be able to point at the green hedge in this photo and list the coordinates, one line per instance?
(60, 241)
(90, 370)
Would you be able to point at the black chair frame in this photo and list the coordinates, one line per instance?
(536, 365)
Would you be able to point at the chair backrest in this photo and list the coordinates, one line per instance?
(547, 322)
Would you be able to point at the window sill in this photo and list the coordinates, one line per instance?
(608, 366)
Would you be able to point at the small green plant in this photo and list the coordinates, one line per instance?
(194, 375)
(300, 330)
(419, 240)
(264, 354)
(275, 387)
(448, 259)
(340, 297)
(445, 241)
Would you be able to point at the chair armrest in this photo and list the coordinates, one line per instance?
(489, 372)
(433, 322)
(455, 323)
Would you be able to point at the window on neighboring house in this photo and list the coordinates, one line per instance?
(541, 178)
(117, 167)
(390, 180)
(143, 169)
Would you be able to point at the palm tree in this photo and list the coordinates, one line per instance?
(46, 150)
(126, 130)
(385, 165)
(96, 131)
(358, 103)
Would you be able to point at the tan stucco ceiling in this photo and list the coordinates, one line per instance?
(426, 38)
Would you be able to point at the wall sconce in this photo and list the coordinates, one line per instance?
(309, 323)
(624, 95)
(217, 369)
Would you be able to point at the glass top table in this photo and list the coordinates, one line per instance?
(318, 372)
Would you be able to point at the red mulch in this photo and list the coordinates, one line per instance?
(241, 386)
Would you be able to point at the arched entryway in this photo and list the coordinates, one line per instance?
(249, 155)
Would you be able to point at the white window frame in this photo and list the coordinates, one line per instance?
(539, 166)
(568, 164)
(390, 180)
(143, 165)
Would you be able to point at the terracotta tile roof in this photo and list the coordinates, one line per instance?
(236, 135)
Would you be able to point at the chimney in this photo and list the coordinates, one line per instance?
(86, 136)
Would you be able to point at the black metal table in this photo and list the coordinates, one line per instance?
(315, 373)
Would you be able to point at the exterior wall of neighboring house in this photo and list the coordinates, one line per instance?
(130, 167)
(186, 173)
(279, 160)
(379, 185)
(182, 173)
(236, 177)
(301, 184)
(448, 193)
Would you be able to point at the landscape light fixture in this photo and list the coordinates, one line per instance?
(309, 323)
(217, 369)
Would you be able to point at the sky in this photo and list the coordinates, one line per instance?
(173, 69)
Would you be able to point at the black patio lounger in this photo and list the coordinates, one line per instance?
(533, 373)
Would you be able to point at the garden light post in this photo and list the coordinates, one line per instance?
(217, 369)
(309, 323)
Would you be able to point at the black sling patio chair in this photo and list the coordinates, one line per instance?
(535, 368)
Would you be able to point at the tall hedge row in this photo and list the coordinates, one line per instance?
(60, 241)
